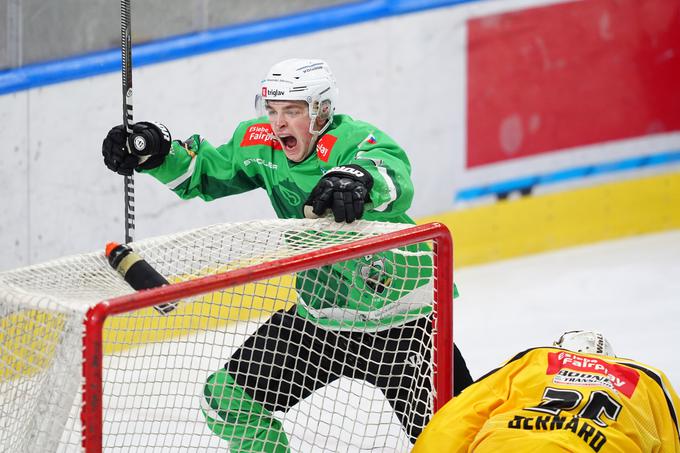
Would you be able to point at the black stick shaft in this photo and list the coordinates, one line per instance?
(126, 53)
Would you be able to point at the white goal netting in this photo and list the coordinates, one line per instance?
(335, 358)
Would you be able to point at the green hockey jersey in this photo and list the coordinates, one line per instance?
(371, 293)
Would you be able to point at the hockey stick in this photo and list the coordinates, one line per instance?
(126, 54)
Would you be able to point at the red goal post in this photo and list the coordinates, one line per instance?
(91, 415)
(86, 363)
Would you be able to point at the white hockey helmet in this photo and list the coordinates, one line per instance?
(300, 79)
(588, 341)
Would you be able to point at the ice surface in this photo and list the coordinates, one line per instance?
(629, 289)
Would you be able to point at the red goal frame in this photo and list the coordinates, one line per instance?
(92, 408)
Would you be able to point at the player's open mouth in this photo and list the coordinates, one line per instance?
(288, 142)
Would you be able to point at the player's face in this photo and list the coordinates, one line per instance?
(290, 123)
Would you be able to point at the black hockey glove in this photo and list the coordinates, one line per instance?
(146, 147)
(344, 190)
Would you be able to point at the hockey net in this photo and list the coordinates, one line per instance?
(87, 363)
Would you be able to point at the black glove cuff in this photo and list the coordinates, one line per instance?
(151, 162)
(354, 172)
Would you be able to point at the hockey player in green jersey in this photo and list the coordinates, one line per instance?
(310, 161)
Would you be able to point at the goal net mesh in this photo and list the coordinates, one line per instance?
(345, 364)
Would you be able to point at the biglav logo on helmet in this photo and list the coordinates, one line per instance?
(268, 92)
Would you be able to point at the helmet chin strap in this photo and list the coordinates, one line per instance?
(315, 134)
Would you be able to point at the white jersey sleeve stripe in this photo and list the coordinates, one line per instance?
(172, 185)
(391, 187)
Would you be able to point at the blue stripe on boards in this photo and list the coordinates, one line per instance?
(502, 188)
(46, 73)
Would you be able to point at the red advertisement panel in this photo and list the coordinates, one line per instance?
(571, 74)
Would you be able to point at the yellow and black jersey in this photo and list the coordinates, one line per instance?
(550, 399)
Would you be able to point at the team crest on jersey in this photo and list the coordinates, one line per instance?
(374, 273)
(324, 147)
(260, 134)
(570, 368)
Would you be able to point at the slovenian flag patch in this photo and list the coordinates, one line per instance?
(370, 138)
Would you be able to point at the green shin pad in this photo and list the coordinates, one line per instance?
(233, 415)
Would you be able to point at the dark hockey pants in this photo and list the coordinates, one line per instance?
(289, 357)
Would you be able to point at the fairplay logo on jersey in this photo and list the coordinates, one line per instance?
(260, 134)
(324, 147)
(620, 377)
